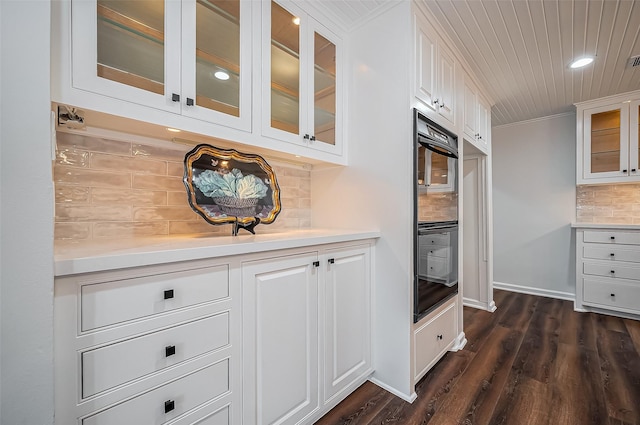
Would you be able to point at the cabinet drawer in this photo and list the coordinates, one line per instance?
(613, 237)
(438, 251)
(107, 303)
(438, 240)
(438, 268)
(115, 364)
(432, 338)
(613, 295)
(613, 269)
(185, 393)
(611, 252)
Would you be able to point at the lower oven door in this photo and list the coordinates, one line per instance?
(437, 268)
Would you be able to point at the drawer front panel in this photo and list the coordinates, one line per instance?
(108, 303)
(185, 393)
(611, 252)
(436, 239)
(436, 251)
(221, 417)
(433, 337)
(614, 270)
(613, 295)
(115, 364)
(613, 237)
(437, 268)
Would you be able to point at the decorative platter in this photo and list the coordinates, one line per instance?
(226, 186)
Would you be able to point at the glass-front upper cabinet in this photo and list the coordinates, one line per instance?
(606, 142)
(191, 57)
(301, 79)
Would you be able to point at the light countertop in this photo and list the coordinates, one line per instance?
(74, 257)
(606, 226)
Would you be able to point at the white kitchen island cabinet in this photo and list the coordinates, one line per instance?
(608, 269)
(248, 330)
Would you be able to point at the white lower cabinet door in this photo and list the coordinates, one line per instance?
(280, 310)
(347, 317)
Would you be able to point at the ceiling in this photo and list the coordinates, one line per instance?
(520, 49)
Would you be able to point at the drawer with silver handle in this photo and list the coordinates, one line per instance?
(611, 252)
(615, 270)
(612, 237)
(621, 296)
(115, 364)
(168, 401)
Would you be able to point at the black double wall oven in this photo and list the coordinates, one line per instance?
(435, 215)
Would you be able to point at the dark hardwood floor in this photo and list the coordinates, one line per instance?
(534, 361)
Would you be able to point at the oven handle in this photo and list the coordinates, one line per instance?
(437, 147)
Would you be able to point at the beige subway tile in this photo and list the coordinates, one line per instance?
(76, 213)
(305, 184)
(612, 220)
(91, 143)
(130, 229)
(305, 223)
(72, 231)
(289, 202)
(134, 197)
(198, 227)
(624, 213)
(168, 183)
(288, 182)
(585, 220)
(295, 172)
(158, 152)
(124, 164)
(93, 178)
(72, 157)
(163, 213)
(71, 194)
(304, 203)
(177, 198)
(175, 169)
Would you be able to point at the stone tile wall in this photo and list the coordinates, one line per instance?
(611, 204)
(118, 189)
(437, 206)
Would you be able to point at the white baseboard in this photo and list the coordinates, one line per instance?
(459, 342)
(408, 398)
(549, 293)
(470, 302)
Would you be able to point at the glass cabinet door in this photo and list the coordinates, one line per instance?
(324, 89)
(130, 43)
(285, 70)
(634, 136)
(606, 141)
(216, 61)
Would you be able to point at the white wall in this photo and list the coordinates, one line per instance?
(534, 204)
(375, 191)
(26, 215)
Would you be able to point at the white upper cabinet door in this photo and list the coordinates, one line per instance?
(425, 65)
(301, 80)
(216, 61)
(446, 94)
(190, 57)
(128, 50)
(634, 137)
(606, 142)
(484, 124)
(435, 73)
(470, 110)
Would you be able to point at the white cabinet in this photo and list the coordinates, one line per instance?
(608, 271)
(435, 76)
(347, 318)
(187, 57)
(477, 117)
(433, 336)
(301, 79)
(607, 139)
(148, 345)
(280, 302)
(307, 332)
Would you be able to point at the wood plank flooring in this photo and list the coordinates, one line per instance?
(534, 361)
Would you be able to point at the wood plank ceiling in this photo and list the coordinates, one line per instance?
(520, 50)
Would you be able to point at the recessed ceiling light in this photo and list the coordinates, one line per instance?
(173, 130)
(221, 75)
(579, 63)
(296, 20)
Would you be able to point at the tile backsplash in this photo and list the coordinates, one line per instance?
(119, 189)
(437, 206)
(612, 204)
